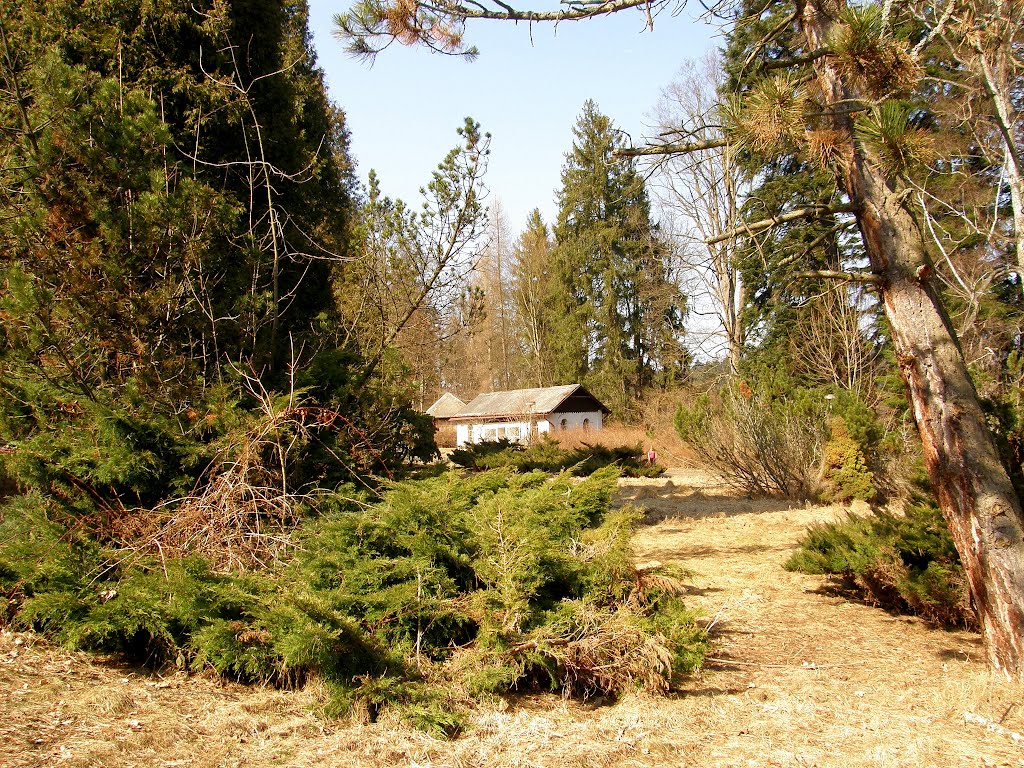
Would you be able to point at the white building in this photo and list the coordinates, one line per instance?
(523, 414)
(446, 406)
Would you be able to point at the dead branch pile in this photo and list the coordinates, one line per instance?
(605, 652)
(244, 507)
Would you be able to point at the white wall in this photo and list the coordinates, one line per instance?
(520, 430)
(592, 419)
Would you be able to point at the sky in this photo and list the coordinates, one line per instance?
(403, 110)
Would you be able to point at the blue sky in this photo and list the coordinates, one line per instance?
(404, 109)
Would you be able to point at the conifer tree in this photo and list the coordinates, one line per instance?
(783, 181)
(618, 317)
(172, 216)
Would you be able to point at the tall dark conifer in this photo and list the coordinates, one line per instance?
(783, 182)
(619, 319)
(173, 186)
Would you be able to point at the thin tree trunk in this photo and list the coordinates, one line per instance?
(969, 480)
(996, 78)
(1016, 182)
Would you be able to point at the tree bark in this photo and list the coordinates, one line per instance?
(971, 484)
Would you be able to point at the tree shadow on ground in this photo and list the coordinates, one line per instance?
(975, 653)
(666, 501)
(675, 553)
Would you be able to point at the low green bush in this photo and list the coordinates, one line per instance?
(547, 456)
(845, 470)
(906, 563)
(445, 589)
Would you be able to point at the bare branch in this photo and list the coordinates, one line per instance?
(796, 61)
(671, 149)
(819, 240)
(810, 212)
(767, 38)
(831, 274)
(572, 11)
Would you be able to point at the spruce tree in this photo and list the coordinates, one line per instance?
(618, 319)
(783, 182)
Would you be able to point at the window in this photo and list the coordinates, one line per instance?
(564, 424)
(586, 424)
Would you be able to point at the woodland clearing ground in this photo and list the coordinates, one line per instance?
(800, 676)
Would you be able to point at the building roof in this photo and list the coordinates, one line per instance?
(537, 401)
(446, 406)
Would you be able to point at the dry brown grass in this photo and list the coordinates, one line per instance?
(799, 677)
(668, 447)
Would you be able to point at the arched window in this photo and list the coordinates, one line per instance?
(564, 424)
(586, 424)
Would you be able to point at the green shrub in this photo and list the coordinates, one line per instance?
(547, 456)
(905, 562)
(473, 454)
(845, 471)
(478, 584)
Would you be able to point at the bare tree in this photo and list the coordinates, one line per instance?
(834, 344)
(531, 295)
(495, 274)
(703, 191)
(984, 37)
(415, 268)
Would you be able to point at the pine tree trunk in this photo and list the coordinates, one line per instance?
(969, 480)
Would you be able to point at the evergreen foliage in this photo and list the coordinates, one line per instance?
(619, 318)
(174, 217)
(535, 298)
(547, 456)
(446, 587)
(905, 562)
(785, 179)
(845, 471)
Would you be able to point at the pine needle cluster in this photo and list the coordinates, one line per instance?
(771, 117)
(871, 56)
(888, 132)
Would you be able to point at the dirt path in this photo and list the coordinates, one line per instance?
(799, 677)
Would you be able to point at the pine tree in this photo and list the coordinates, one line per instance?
(173, 217)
